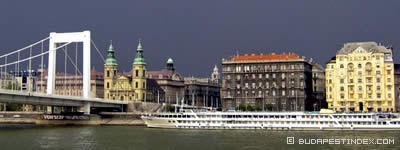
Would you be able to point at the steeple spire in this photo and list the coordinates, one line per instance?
(139, 59)
(110, 60)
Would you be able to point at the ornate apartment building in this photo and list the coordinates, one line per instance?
(360, 78)
(283, 81)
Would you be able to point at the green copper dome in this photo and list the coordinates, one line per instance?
(170, 61)
(139, 59)
(110, 60)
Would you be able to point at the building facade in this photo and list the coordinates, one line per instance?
(360, 78)
(276, 82)
(118, 86)
(203, 92)
(171, 82)
(71, 84)
(318, 83)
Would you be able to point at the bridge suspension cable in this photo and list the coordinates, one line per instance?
(32, 57)
(21, 49)
(98, 51)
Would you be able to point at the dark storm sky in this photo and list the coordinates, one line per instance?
(198, 34)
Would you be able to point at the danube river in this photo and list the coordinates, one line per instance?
(25, 137)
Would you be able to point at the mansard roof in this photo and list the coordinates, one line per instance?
(370, 47)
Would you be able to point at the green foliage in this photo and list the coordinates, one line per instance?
(14, 107)
(269, 107)
(250, 108)
(169, 108)
(242, 107)
(13, 86)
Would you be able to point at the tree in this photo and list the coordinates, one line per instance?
(13, 86)
(269, 107)
(242, 107)
(250, 108)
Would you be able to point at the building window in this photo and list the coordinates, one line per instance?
(378, 80)
(341, 66)
(378, 72)
(253, 85)
(273, 93)
(246, 85)
(360, 80)
(283, 93)
(369, 95)
(341, 88)
(341, 96)
(389, 80)
(108, 73)
(273, 75)
(359, 66)
(351, 80)
(137, 85)
(389, 87)
(330, 81)
(360, 73)
(389, 95)
(378, 88)
(330, 89)
(267, 76)
(228, 77)
(108, 85)
(359, 88)
(378, 95)
(260, 76)
(144, 73)
(144, 85)
(389, 72)
(137, 73)
(341, 80)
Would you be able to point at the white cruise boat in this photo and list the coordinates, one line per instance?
(274, 120)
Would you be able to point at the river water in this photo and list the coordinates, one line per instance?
(26, 137)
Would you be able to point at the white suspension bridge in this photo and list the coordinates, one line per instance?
(12, 61)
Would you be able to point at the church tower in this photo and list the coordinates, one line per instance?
(170, 65)
(139, 74)
(215, 74)
(110, 71)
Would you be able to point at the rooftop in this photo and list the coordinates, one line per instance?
(273, 56)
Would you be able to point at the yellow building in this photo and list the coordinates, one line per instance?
(118, 86)
(360, 78)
